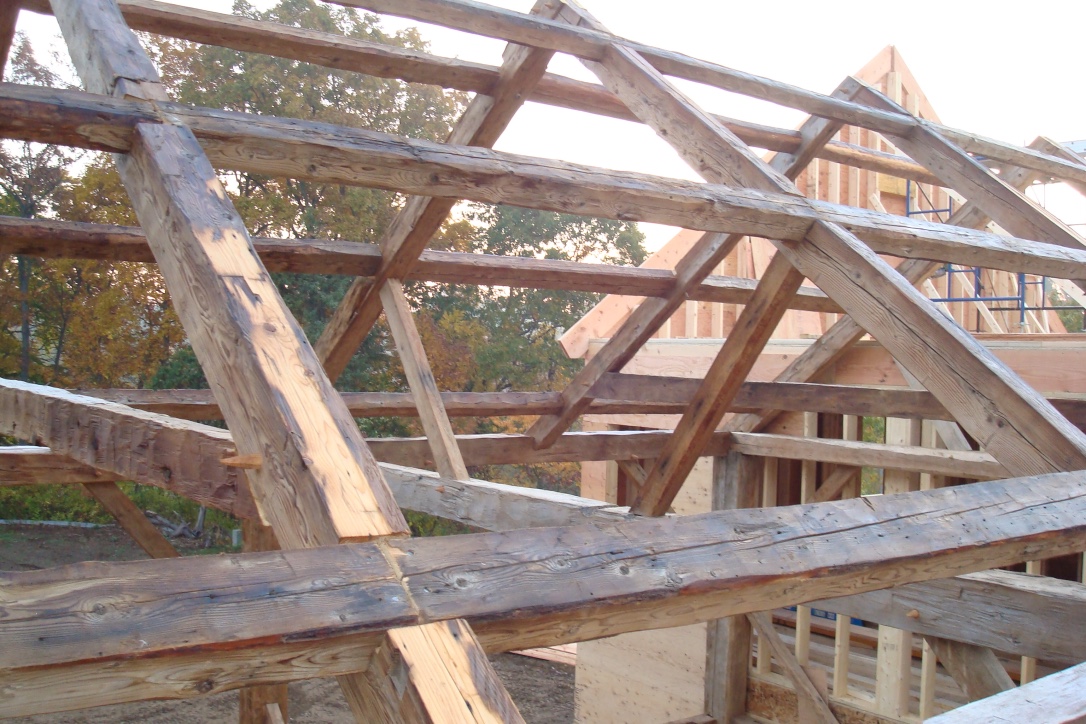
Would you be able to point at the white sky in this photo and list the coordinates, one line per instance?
(1010, 71)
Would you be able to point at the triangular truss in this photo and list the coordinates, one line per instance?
(390, 615)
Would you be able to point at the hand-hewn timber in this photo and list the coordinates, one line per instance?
(322, 152)
(976, 669)
(846, 332)
(9, 15)
(591, 44)
(31, 465)
(318, 469)
(76, 240)
(573, 583)
(437, 672)
(965, 464)
(1055, 699)
(354, 54)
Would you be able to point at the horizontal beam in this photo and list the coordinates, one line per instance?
(962, 464)
(589, 44)
(618, 394)
(333, 154)
(385, 61)
(77, 240)
(295, 614)
(1009, 612)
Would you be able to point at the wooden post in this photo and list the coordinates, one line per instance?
(261, 704)
(727, 656)
(9, 16)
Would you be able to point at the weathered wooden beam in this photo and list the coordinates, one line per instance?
(1055, 699)
(846, 332)
(326, 153)
(811, 701)
(592, 44)
(974, 668)
(420, 378)
(618, 394)
(131, 519)
(76, 240)
(30, 465)
(727, 640)
(281, 616)
(485, 119)
(222, 292)
(966, 464)
(9, 15)
(436, 672)
(385, 61)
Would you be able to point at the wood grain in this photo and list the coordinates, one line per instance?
(573, 583)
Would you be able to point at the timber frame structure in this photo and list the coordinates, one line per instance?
(332, 584)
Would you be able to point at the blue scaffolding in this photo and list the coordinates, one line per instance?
(1018, 302)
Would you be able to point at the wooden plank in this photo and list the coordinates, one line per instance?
(331, 154)
(615, 394)
(9, 16)
(967, 464)
(893, 672)
(420, 378)
(1055, 699)
(377, 59)
(727, 643)
(267, 379)
(811, 700)
(74, 240)
(436, 672)
(975, 668)
(483, 122)
(349, 593)
(591, 44)
(131, 519)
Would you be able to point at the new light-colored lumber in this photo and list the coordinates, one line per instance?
(714, 565)
(420, 378)
(591, 44)
(422, 216)
(355, 54)
(131, 519)
(318, 469)
(326, 153)
(975, 668)
(810, 699)
(1055, 699)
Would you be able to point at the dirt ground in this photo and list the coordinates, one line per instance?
(542, 690)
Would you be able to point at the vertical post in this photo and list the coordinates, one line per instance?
(807, 487)
(842, 636)
(892, 671)
(259, 704)
(727, 655)
(770, 471)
